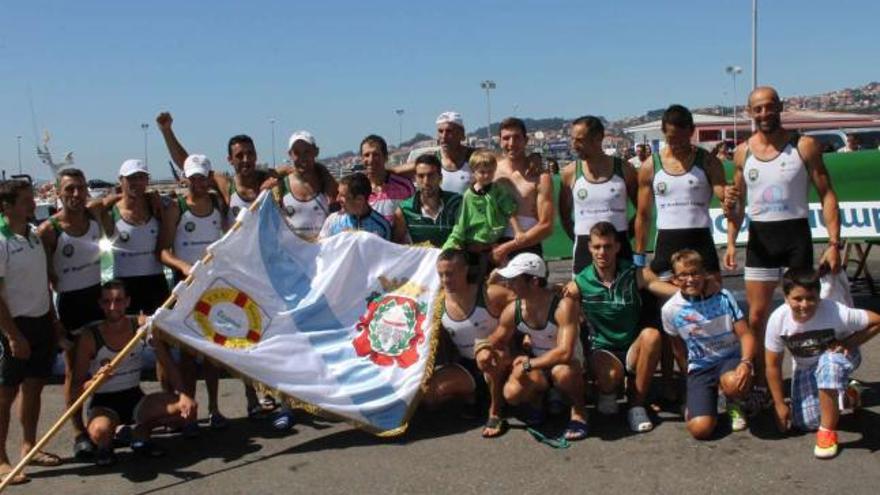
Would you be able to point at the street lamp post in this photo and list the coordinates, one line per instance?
(488, 85)
(733, 70)
(18, 143)
(399, 113)
(754, 50)
(144, 128)
(272, 124)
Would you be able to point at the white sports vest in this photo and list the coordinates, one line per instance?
(194, 233)
(594, 202)
(457, 181)
(543, 339)
(134, 248)
(77, 259)
(777, 189)
(682, 200)
(305, 217)
(479, 324)
(127, 375)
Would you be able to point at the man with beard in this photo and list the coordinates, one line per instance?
(533, 190)
(774, 168)
(431, 213)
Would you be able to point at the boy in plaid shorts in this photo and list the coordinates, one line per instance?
(823, 337)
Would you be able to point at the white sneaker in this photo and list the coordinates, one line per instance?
(607, 404)
(639, 421)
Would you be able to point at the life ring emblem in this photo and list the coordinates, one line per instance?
(212, 300)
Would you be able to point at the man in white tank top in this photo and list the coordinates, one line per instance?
(119, 400)
(72, 241)
(454, 155)
(307, 194)
(773, 169)
(595, 188)
(550, 361)
(468, 318)
(189, 226)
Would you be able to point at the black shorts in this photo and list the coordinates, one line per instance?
(778, 245)
(78, 308)
(40, 337)
(147, 293)
(583, 258)
(124, 403)
(670, 241)
(702, 388)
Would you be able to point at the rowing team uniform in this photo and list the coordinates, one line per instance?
(545, 338)
(195, 233)
(455, 181)
(121, 391)
(136, 265)
(465, 333)
(779, 232)
(683, 222)
(77, 264)
(305, 217)
(594, 202)
(395, 189)
(372, 222)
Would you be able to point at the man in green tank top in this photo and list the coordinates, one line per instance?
(619, 342)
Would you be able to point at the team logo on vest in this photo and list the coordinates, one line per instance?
(393, 326)
(228, 316)
(189, 226)
(582, 194)
(661, 188)
(124, 236)
(290, 210)
(235, 210)
(67, 250)
(753, 174)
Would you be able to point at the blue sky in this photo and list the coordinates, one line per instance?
(98, 69)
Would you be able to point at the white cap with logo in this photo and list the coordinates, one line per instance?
(450, 118)
(524, 264)
(301, 136)
(133, 166)
(196, 165)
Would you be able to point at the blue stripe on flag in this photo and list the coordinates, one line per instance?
(317, 321)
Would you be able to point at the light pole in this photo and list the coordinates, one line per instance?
(754, 50)
(733, 70)
(272, 123)
(399, 113)
(18, 142)
(144, 128)
(488, 85)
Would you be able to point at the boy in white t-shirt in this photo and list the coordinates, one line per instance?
(823, 337)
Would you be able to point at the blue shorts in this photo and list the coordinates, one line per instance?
(831, 372)
(702, 388)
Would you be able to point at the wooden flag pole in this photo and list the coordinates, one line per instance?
(97, 381)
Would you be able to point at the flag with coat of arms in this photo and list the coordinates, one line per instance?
(344, 327)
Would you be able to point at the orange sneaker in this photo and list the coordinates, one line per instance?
(826, 444)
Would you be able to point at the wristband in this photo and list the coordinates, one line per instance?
(639, 260)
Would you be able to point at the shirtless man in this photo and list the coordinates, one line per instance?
(533, 191)
(774, 168)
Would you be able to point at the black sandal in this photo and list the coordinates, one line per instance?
(495, 423)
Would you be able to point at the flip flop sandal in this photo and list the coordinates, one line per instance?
(575, 430)
(45, 459)
(495, 423)
(147, 449)
(19, 478)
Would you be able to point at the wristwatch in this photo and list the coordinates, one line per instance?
(527, 365)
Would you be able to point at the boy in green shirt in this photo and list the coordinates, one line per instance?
(486, 210)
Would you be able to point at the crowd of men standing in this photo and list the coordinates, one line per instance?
(511, 336)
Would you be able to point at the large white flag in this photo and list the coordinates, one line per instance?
(345, 326)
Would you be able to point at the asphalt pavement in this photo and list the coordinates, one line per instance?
(442, 453)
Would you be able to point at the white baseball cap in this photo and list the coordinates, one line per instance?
(133, 166)
(196, 165)
(524, 264)
(301, 136)
(450, 118)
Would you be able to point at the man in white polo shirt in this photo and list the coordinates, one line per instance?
(29, 329)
